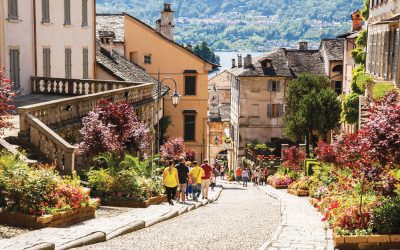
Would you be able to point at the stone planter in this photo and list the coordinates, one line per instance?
(60, 219)
(136, 204)
(300, 193)
(279, 186)
(367, 242)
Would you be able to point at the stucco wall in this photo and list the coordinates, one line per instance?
(348, 63)
(171, 61)
(58, 36)
(19, 34)
(2, 63)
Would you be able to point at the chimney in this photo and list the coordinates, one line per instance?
(303, 46)
(107, 40)
(165, 25)
(248, 61)
(356, 21)
(233, 63)
(240, 61)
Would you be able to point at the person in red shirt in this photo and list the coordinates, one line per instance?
(205, 180)
(238, 174)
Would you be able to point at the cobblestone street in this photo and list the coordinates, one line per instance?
(240, 219)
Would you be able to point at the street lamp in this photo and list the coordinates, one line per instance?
(175, 96)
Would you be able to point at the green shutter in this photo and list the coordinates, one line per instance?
(15, 68)
(13, 9)
(45, 11)
(46, 62)
(84, 13)
(67, 12)
(68, 61)
(85, 63)
(396, 58)
(278, 86)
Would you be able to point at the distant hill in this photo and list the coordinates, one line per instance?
(251, 25)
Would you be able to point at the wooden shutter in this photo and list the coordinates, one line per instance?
(270, 86)
(396, 57)
(278, 86)
(13, 9)
(280, 110)
(46, 63)
(45, 11)
(67, 12)
(84, 13)
(85, 63)
(269, 110)
(386, 55)
(15, 67)
(68, 62)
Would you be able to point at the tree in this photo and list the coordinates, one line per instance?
(205, 52)
(294, 158)
(350, 108)
(114, 128)
(312, 108)
(6, 96)
(173, 149)
(191, 155)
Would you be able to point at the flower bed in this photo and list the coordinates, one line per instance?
(36, 196)
(300, 187)
(367, 241)
(136, 204)
(279, 181)
(59, 219)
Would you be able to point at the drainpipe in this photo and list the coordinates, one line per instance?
(34, 36)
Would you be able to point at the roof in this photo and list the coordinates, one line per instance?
(305, 61)
(168, 40)
(220, 81)
(293, 62)
(223, 114)
(111, 22)
(350, 34)
(333, 49)
(124, 70)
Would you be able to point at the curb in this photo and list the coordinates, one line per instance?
(93, 238)
(43, 246)
(126, 229)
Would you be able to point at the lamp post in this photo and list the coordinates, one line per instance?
(175, 101)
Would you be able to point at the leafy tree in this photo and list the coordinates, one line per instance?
(191, 155)
(173, 149)
(205, 52)
(312, 107)
(293, 158)
(6, 96)
(114, 128)
(350, 108)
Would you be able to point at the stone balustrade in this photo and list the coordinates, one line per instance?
(74, 87)
(38, 120)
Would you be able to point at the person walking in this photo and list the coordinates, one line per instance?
(265, 173)
(245, 177)
(256, 174)
(238, 174)
(189, 188)
(183, 172)
(196, 174)
(213, 181)
(222, 172)
(205, 180)
(170, 181)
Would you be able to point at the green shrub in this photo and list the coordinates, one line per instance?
(359, 55)
(350, 108)
(363, 81)
(386, 217)
(361, 40)
(357, 71)
(365, 10)
(381, 89)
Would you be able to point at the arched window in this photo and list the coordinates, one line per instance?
(338, 69)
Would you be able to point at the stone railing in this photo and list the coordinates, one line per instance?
(63, 86)
(38, 121)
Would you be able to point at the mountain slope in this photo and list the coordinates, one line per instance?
(245, 24)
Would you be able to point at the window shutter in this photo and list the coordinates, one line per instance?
(396, 58)
(15, 68)
(278, 86)
(12, 9)
(46, 62)
(68, 66)
(85, 64)
(67, 12)
(269, 86)
(280, 110)
(269, 110)
(84, 13)
(386, 55)
(45, 11)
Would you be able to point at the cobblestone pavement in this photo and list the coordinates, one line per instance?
(240, 219)
(108, 224)
(7, 232)
(301, 226)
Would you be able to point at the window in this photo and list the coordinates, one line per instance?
(14, 67)
(147, 59)
(274, 86)
(338, 69)
(190, 85)
(338, 87)
(84, 13)
(189, 127)
(46, 62)
(45, 11)
(13, 9)
(68, 62)
(275, 110)
(67, 12)
(85, 63)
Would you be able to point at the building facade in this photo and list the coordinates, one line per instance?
(161, 58)
(259, 85)
(45, 38)
(383, 41)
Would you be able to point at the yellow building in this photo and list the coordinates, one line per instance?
(161, 57)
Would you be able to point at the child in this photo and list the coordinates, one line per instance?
(213, 181)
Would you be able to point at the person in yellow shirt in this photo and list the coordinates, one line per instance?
(170, 181)
(196, 174)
